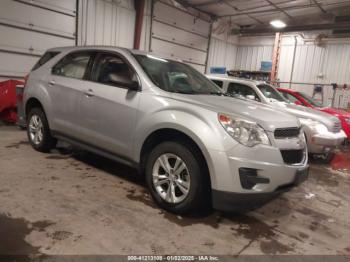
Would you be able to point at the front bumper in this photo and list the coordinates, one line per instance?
(228, 201)
(323, 143)
(230, 191)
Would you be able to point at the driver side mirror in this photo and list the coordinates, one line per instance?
(120, 80)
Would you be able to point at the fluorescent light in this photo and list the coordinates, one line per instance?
(278, 24)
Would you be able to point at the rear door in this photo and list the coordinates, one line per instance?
(66, 84)
(109, 108)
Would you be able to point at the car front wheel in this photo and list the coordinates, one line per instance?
(176, 177)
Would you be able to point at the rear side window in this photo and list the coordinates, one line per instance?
(242, 91)
(44, 59)
(218, 83)
(289, 97)
(72, 65)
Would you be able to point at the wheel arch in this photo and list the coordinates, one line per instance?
(32, 103)
(172, 134)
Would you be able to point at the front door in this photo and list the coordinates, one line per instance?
(109, 107)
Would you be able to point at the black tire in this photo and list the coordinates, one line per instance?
(199, 192)
(48, 142)
(328, 157)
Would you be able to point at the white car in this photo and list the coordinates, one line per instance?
(323, 131)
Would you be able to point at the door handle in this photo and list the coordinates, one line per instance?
(52, 83)
(89, 93)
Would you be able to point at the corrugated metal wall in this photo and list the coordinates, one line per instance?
(239, 53)
(28, 28)
(252, 51)
(329, 63)
(106, 22)
(222, 53)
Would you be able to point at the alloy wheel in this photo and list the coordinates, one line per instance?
(36, 129)
(171, 178)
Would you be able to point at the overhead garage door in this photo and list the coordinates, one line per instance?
(180, 35)
(28, 28)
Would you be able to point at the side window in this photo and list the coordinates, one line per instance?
(289, 97)
(241, 91)
(110, 69)
(218, 83)
(73, 65)
(44, 59)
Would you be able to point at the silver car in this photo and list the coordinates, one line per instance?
(196, 147)
(323, 131)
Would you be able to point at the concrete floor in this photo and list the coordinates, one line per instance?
(63, 203)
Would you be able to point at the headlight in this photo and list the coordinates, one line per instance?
(347, 120)
(245, 132)
(317, 126)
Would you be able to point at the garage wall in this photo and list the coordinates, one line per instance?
(329, 63)
(106, 22)
(28, 28)
(178, 34)
(252, 50)
(222, 52)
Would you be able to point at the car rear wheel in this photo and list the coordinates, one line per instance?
(176, 178)
(38, 131)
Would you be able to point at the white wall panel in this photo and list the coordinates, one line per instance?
(250, 57)
(173, 16)
(161, 30)
(106, 22)
(331, 61)
(221, 54)
(178, 34)
(15, 65)
(28, 16)
(29, 27)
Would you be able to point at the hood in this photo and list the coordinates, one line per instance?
(336, 112)
(309, 113)
(265, 116)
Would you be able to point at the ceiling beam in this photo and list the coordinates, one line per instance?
(285, 9)
(211, 2)
(279, 9)
(294, 28)
(319, 6)
(238, 10)
(186, 4)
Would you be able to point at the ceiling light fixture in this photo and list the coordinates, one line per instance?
(278, 24)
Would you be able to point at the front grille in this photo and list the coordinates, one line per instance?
(336, 127)
(292, 156)
(287, 132)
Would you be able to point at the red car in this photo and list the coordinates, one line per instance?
(303, 99)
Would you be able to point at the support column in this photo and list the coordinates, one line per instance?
(140, 8)
(276, 56)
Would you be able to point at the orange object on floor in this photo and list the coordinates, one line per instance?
(341, 161)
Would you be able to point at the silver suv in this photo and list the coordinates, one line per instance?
(323, 131)
(196, 147)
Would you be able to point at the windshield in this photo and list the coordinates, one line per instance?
(173, 76)
(310, 100)
(271, 93)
